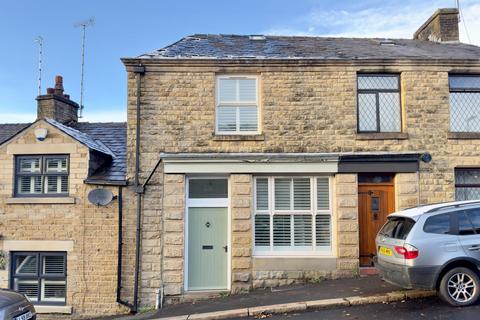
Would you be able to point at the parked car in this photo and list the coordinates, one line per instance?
(433, 247)
(15, 306)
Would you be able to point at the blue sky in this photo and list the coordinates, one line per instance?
(129, 28)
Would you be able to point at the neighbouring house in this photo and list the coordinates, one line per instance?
(56, 246)
(259, 161)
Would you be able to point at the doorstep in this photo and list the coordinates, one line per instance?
(368, 271)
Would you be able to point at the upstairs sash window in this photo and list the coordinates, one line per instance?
(237, 105)
(41, 175)
(292, 216)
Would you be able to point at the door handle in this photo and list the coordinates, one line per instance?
(225, 248)
(475, 247)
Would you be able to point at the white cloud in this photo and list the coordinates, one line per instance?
(379, 22)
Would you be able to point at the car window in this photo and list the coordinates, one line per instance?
(397, 227)
(464, 225)
(474, 217)
(438, 224)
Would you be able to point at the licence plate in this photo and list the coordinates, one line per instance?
(385, 251)
(24, 316)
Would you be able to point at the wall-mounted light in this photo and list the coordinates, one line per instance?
(41, 134)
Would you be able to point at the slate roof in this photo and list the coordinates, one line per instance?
(114, 136)
(214, 46)
(82, 137)
(8, 130)
(108, 138)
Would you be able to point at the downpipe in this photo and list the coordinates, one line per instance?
(139, 72)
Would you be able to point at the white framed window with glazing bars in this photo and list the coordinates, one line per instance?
(292, 216)
(237, 107)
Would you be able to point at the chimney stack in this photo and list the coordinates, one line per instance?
(442, 26)
(56, 105)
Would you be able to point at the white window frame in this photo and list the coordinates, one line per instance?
(270, 251)
(236, 104)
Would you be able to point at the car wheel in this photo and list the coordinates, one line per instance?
(460, 287)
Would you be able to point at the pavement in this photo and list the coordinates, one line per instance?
(423, 308)
(296, 298)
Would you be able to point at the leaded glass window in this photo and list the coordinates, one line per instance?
(464, 103)
(378, 103)
(467, 184)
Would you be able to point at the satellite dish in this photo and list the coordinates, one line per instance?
(100, 197)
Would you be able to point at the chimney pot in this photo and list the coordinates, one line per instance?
(59, 85)
(57, 105)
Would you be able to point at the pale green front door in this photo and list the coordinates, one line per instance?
(207, 248)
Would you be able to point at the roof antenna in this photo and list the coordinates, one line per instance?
(83, 24)
(39, 40)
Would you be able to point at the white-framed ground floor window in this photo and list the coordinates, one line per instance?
(292, 216)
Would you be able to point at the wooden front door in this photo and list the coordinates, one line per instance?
(375, 202)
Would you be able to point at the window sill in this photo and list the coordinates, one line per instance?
(464, 135)
(382, 136)
(53, 309)
(238, 137)
(40, 200)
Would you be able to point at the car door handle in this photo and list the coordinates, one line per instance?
(475, 247)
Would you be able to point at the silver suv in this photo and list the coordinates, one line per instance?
(433, 247)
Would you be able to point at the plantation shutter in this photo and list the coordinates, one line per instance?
(262, 230)
(237, 106)
(323, 234)
(262, 194)
(302, 230)
(227, 119)
(281, 230)
(54, 264)
(282, 194)
(301, 194)
(53, 290)
(248, 118)
(323, 194)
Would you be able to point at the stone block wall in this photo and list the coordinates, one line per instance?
(241, 225)
(173, 237)
(406, 191)
(90, 231)
(346, 212)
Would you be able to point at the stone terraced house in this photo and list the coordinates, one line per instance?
(55, 245)
(259, 161)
